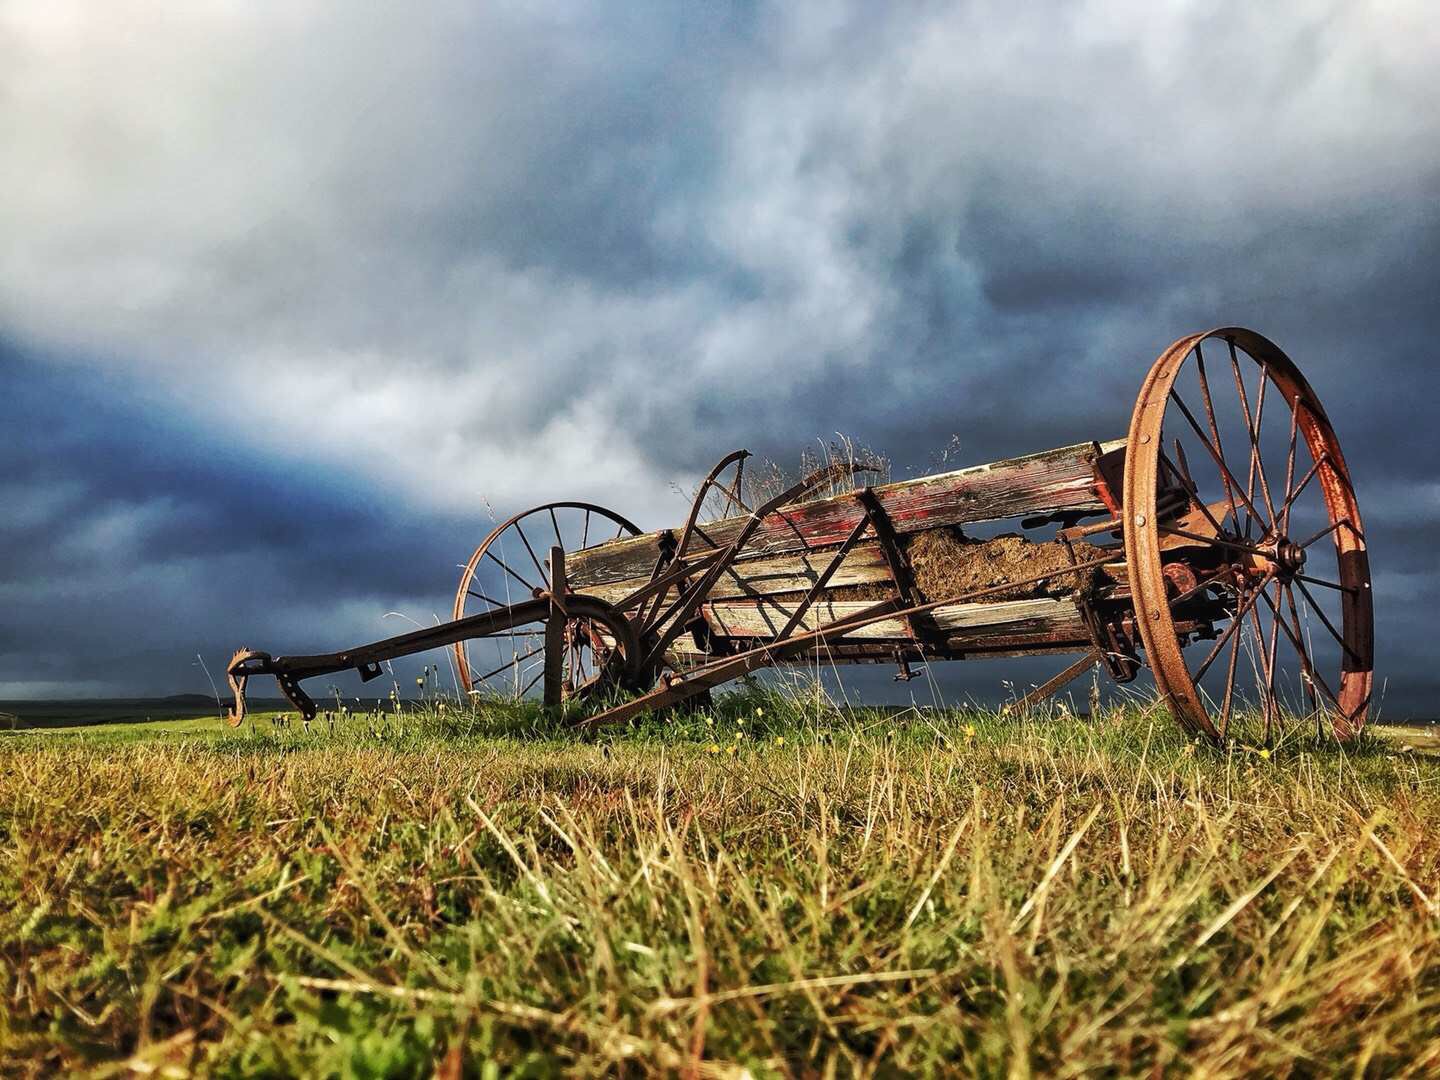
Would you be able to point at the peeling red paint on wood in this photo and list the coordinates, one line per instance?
(863, 565)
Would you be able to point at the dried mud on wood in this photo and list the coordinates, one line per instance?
(946, 563)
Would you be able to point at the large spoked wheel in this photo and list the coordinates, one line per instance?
(1244, 544)
(511, 566)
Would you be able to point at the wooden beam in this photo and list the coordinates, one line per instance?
(864, 564)
(765, 618)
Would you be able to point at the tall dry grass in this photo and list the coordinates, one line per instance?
(824, 894)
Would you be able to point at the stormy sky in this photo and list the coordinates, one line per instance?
(294, 299)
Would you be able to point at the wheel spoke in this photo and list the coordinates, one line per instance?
(1272, 707)
(1295, 621)
(1252, 430)
(585, 532)
(1231, 484)
(1290, 498)
(1229, 686)
(1255, 445)
(1190, 486)
(531, 684)
(1304, 657)
(1235, 622)
(1251, 422)
(1283, 522)
(1329, 529)
(1264, 673)
(1184, 469)
(530, 589)
(732, 498)
(1320, 613)
(512, 661)
(555, 524)
(1326, 584)
(482, 596)
(705, 536)
(1214, 541)
(1218, 449)
(526, 541)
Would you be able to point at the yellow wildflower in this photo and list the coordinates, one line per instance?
(779, 740)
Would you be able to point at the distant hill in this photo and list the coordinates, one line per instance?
(20, 715)
(88, 712)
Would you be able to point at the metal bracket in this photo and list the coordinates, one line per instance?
(905, 672)
(1119, 662)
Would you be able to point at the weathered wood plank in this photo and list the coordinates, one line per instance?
(863, 565)
(762, 618)
(1046, 483)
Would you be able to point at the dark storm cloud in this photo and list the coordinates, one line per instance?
(131, 542)
(301, 293)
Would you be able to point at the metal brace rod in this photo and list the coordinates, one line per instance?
(825, 575)
(1055, 682)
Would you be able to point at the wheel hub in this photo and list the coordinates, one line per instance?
(1282, 557)
(1289, 558)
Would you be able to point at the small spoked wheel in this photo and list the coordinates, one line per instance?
(511, 566)
(1244, 545)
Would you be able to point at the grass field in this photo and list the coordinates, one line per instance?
(771, 886)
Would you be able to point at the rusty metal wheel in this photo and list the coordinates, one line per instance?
(510, 566)
(1247, 562)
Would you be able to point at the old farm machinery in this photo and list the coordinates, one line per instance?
(1219, 543)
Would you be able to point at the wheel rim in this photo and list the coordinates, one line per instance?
(511, 565)
(1242, 549)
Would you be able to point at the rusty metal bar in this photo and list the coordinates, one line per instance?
(366, 659)
(1055, 682)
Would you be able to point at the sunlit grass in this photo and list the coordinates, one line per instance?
(768, 884)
